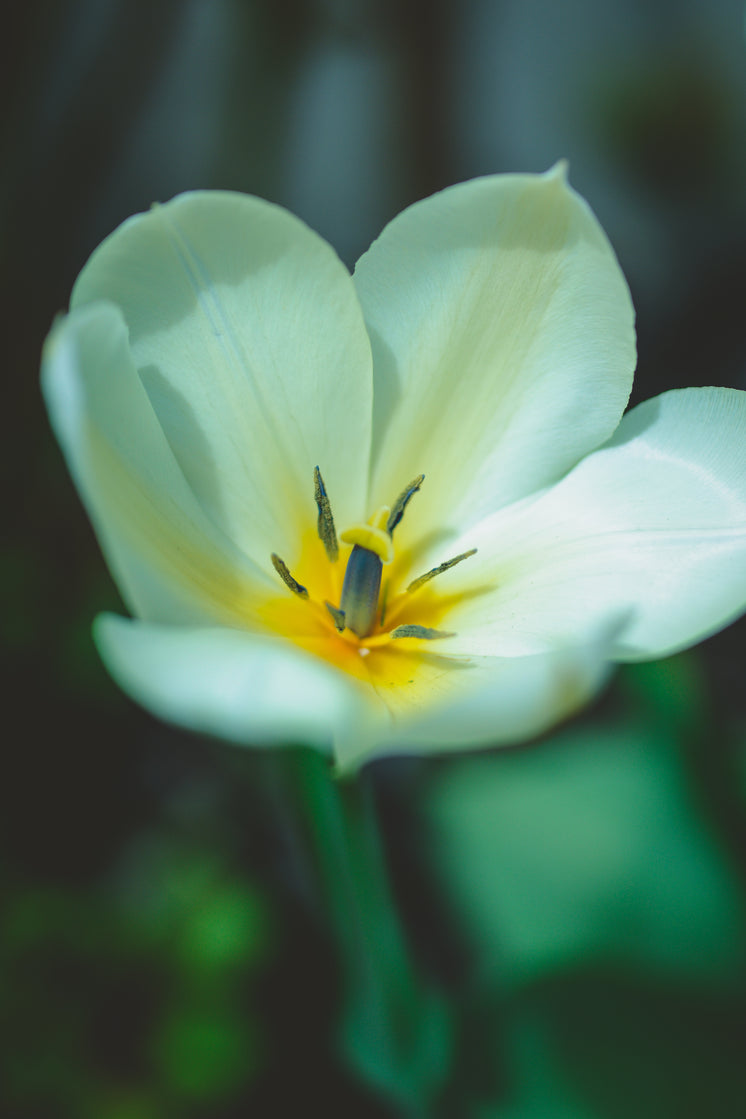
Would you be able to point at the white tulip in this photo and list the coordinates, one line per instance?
(217, 353)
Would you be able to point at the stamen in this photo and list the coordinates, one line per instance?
(424, 632)
(363, 602)
(282, 570)
(422, 579)
(337, 615)
(325, 523)
(397, 511)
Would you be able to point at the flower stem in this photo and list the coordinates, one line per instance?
(394, 1028)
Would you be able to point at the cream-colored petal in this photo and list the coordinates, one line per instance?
(171, 563)
(250, 342)
(653, 524)
(249, 689)
(464, 703)
(503, 344)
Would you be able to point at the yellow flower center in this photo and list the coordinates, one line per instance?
(351, 605)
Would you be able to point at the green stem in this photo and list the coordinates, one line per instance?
(394, 1028)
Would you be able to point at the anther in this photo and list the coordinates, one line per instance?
(338, 616)
(422, 579)
(397, 510)
(282, 570)
(423, 632)
(325, 523)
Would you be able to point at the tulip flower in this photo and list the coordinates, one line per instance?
(398, 511)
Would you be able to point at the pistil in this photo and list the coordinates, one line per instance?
(360, 590)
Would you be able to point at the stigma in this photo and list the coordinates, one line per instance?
(360, 615)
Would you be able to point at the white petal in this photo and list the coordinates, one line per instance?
(503, 343)
(653, 524)
(248, 336)
(169, 560)
(460, 704)
(245, 688)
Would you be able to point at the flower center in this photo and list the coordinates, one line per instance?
(370, 619)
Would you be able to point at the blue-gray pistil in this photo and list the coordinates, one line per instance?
(360, 590)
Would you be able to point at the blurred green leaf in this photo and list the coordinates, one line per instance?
(674, 690)
(586, 848)
(188, 900)
(118, 1102)
(605, 1045)
(204, 1053)
(103, 985)
(227, 928)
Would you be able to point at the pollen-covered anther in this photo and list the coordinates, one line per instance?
(325, 523)
(338, 616)
(425, 633)
(282, 570)
(402, 501)
(422, 579)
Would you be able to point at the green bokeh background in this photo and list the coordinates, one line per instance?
(572, 913)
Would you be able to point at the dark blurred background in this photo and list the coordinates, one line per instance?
(577, 907)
